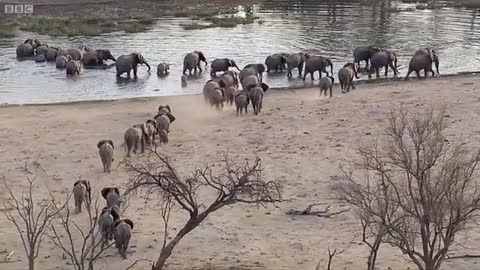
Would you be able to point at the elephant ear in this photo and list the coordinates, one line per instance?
(28, 41)
(100, 143)
(232, 63)
(129, 222)
(116, 190)
(114, 214)
(264, 86)
(171, 117)
(333, 79)
(104, 210)
(105, 192)
(116, 223)
(76, 183)
(168, 108)
(111, 143)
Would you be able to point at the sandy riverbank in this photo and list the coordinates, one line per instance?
(301, 138)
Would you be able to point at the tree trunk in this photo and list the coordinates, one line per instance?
(31, 262)
(372, 257)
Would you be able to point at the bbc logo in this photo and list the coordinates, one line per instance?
(22, 9)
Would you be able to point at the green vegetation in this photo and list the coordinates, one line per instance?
(195, 26)
(201, 12)
(214, 21)
(7, 31)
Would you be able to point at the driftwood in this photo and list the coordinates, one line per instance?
(325, 213)
(466, 256)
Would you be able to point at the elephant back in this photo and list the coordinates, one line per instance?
(51, 54)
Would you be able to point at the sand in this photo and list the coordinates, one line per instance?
(301, 138)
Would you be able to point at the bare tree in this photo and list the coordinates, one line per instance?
(83, 246)
(31, 219)
(419, 191)
(235, 184)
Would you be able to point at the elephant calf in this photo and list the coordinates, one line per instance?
(61, 61)
(105, 150)
(325, 84)
(123, 233)
(150, 131)
(81, 191)
(164, 118)
(256, 96)
(73, 68)
(40, 58)
(183, 79)
(112, 196)
(162, 69)
(106, 220)
(241, 102)
(133, 137)
(346, 75)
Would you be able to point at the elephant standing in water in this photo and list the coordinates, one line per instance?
(252, 69)
(383, 58)
(42, 50)
(296, 60)
(423, 60)
(276, 62)
(192, 62)
(73, 67)
(222, 65)
(96, 58)
(52, 53)
(61, 61)
(317, 63)
(27, 48)
(76, 54)
(125, 63)
(364, 54)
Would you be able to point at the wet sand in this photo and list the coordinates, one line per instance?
(301, 138)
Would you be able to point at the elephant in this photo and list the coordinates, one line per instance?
(61, 61)
(229, 78)
(230, 93)
(242, 100)
(216, 98)
(96, 58)
(164, 118)
(73, 68)
(364, 54)
(134, 136)
(112, 196)
(52, 53)
(345, 76)
(105, 150)
(192, 62)
(183, 79)
(251, 80)
(40, 58)
(27, 48)
(163, 135)
(75, 53)
(81, 191)
(125, 63)
(163, 69)
(255, 69)
(276, 62)
(106, 220)
(150, 131)
(325, 84)
(256, 96)
(165, 109)
(210, 86)
(222, 64)
(296, 60)
(42, 50)
(122, 234)
(317, 63)
(383, 58)
(423, 60)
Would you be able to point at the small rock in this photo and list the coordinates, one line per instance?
(368, 133)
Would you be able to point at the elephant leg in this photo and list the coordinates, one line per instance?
(134, 71)
(408, 74)
(304, 76)
(200, 68)
(366, 63)
(386, 70)
(300, 68)
(331, 87)
(184, 70)
(418, 74)
(320, 74)
(195, 70)
(377, 72)
(312, 75)
(351, 84)
(142, 144)
(426, 73)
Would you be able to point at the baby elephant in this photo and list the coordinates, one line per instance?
(346, 75)
(256, 96)
(150, 130)
(112, 196)
(73, 68)
(241, 101)
(325, 84)
(162, 69)
(230, 93)
(81, 191)
(105, 223)
(122, 233)
(183, 78)
(134, 136)
(105, 150)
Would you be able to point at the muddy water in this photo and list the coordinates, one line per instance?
(329, 28)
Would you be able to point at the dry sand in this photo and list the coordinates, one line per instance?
(301, 138)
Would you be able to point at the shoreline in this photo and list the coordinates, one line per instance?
(390, 81)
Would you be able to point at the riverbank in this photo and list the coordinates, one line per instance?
(301, 138)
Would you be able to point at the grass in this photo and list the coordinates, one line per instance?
(7, 31)
(202, 12)
(227, 22)
(195, 26)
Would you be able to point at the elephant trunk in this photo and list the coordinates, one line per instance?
(149, 68)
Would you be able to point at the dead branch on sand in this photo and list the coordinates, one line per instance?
(325, 213)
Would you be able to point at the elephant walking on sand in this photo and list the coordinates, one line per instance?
(346, 75)
(192, 62)
(214, 93)
(229, 78)
(222, 65)
(96, 58)
(125, 64)
(296, 60)
(276, 62)
(325, 84)
(27, 48)
(106, 220)
(81, 191)
(111, 196)
(423, 60)
(364, 54)
(122, 234)
(317, 63)
(105, 150)
(385, 59)
(164, 118)
(73, 67)
(133, 137)
(242, 100)
(256, 96)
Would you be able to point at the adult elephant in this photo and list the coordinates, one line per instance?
(42, 50)
(317, 63)
(252, 69)
(296, 60)
(423, 60)
(222, 64)
(125, 64)
(96, 58)
(276, 62)
(250, 81)
(229, 78)
(27, 48)
(385, 59)
(364, 54)
(75, 53)
(192, 61)
(214, 93)
(52, 53)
